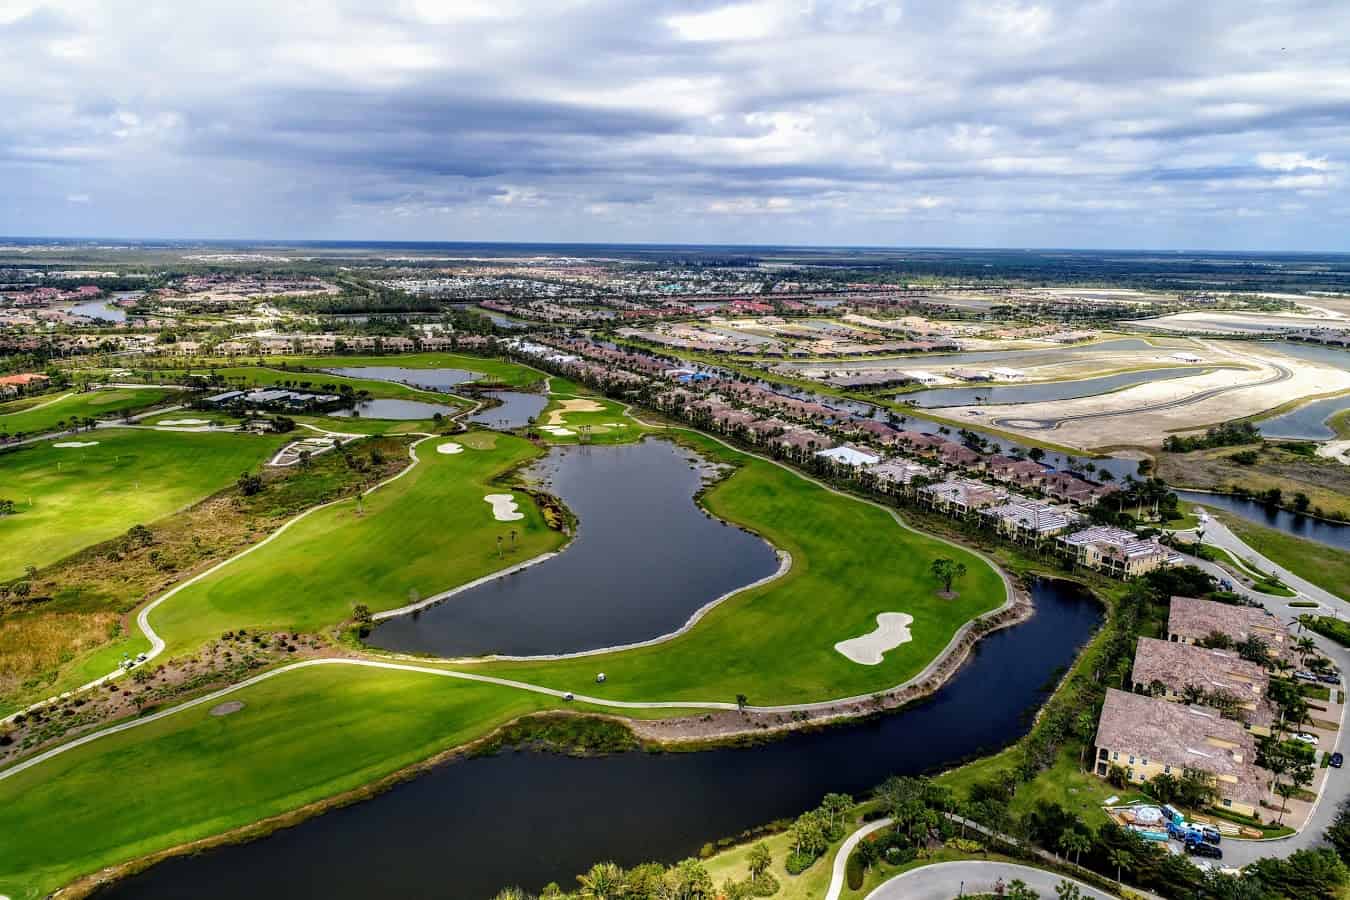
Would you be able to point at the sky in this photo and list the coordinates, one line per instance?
(1063, 123)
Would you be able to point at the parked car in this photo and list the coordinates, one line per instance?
(569, 696)
(1329, 679)
(1337, 760)
(1200, 848)
(1305, 676)
(1305, 738)
(1210, 834)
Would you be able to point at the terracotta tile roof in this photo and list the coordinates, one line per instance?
(1179, 665)
(1195, 619)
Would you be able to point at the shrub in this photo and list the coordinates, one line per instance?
(853, 872)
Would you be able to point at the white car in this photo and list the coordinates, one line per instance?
(1306, 738)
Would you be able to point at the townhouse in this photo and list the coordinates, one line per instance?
(1116, 551)
(1172, 671)
(1191, 621)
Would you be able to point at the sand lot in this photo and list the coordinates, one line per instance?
(1147, 413)
(1244, 322)
(577, 405)
(504, 508)
(870, 649)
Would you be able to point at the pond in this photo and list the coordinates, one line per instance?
(1307, 422)
(466, 829)
(427, 379)
(1332, 534)
(389, 408)
(1036, 393)
(516, 409)
(98, 309)
(644, 559)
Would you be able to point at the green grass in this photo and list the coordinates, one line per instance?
(426, 532)
(148, 789)
(81, 496)
(609, 425)
(500, 372)
(319, 732)
(776, 643)
(35, 419)
(1325, 566)
(259, 376)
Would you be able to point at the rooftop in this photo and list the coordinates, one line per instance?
(1179, 665)
(1184, 737)
(1195, 619)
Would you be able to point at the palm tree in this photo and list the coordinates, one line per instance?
(513, 539)
(1122, 859)
(1306, 648)
(1075, 842)
(499, 546)
(603, 882)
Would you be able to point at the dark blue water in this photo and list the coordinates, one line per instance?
(99, 309)
(1035, 393)
(468, 828)
(645, 558)
(516, 410)
(1307, 422)
(401, 410)
(1330, 533)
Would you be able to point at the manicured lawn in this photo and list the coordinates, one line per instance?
(608, 425)
(29, 418)
(247, 377)
(83, 495)
(301, 737)
(501, 372)
(776, 643)
(426, 532)
(1327, 567)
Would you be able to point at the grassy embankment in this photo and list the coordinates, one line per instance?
(69, 498)
(851, 560)
(1325, 566)
(24, 416)
(1326, 482)
(428, 531)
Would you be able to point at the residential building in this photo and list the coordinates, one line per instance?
(959, 496)
(1147, 737)
(1167, 670)
(894, 474)
(1116, 551)
(1027, 520)
(849, 456)
(1191, 620)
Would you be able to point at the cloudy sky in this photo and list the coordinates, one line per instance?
(1071, 123)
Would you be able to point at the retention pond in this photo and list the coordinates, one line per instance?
(645, 559)
(468, 828)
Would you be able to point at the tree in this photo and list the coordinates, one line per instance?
(1196, 789)
(1067, 890)
(1036, 454)
(6, 507)
(760, 859)
(603, 882)
(1075, 842)
(1255, 649)
(1122, 859)
(947, 571)
(1019, 890)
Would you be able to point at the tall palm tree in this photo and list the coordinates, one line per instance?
(1122, 859)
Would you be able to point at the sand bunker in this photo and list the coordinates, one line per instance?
(449, 448)
(571, 406)
(504, 508)
(1337, 450)
(224, 709)
(868, 650)
(183, 422)
(65, 444)
(556, 430)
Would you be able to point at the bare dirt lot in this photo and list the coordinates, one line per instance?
(1145, 414)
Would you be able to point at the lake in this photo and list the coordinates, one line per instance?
(468, 828)
(389, 408)
(427, 379)
(1036, 393)
(1332, 534)
(644, 559)
(516, 409)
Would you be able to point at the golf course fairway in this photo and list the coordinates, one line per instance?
(83, 495)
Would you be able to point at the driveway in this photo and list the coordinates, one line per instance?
(945, 881)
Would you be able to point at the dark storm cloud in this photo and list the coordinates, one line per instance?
(933, 122)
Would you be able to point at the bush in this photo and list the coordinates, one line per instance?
(797, 863)
(853, 872)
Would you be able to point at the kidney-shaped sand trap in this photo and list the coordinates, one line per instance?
(504, 508)
(68, 444)
(892, 630)
(450, 447)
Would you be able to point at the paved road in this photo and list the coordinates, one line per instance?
(1218, 534)
(945, 881)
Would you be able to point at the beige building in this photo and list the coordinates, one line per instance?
(1148, 737)
(1116, 551)
(1190, 621)
(1175, 667)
